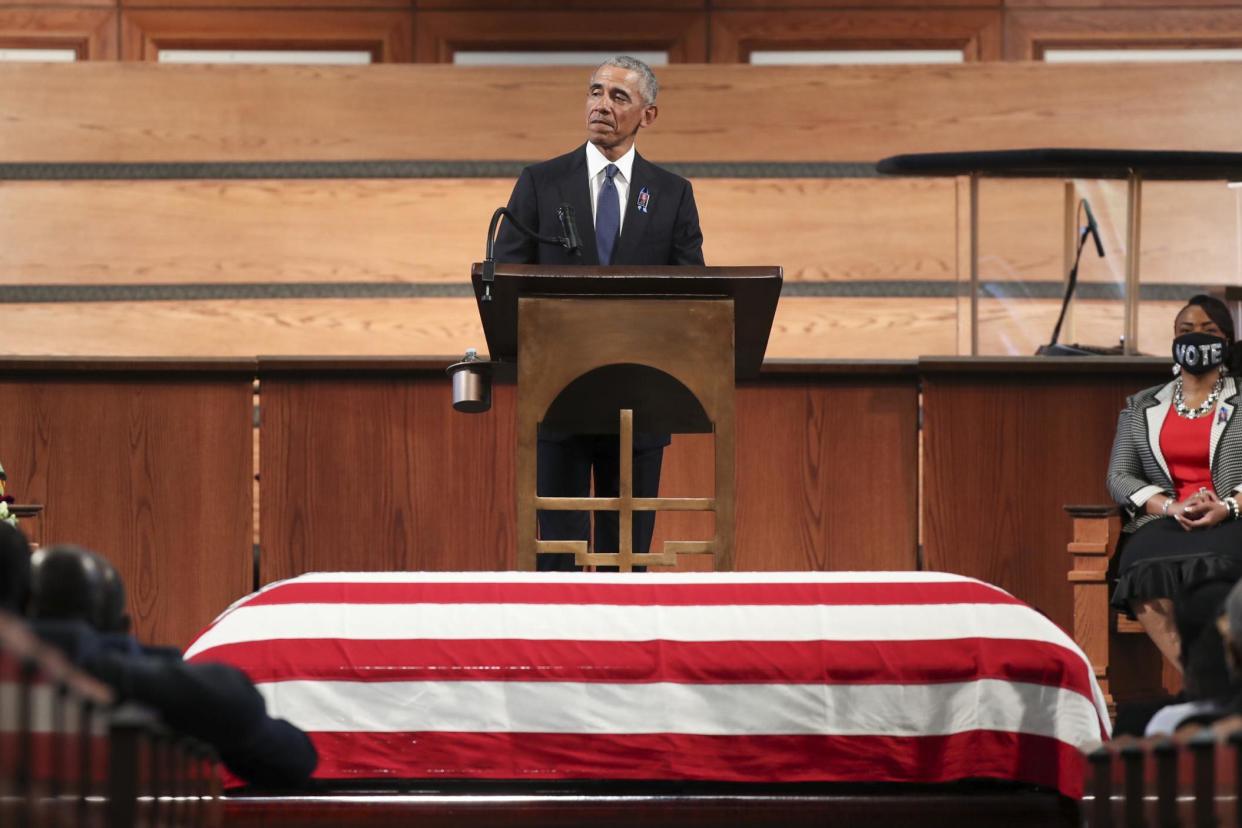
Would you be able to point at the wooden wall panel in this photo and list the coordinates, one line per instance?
(932, 6)
(1029, 32)
(1003, 453)
(252, 327)
(90, 33)
(804, 328)
(152, 472)
(431, 489)
(530, 6)
(735, 34)
(382, 474)
(226, 6)
(421, 230)
(387, 35)
(429, 230)
(442, 33)
(1115, 4)
(188, 113)
(828, 475)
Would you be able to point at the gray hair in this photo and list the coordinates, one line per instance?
(648, 86)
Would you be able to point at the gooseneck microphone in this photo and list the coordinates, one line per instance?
(1093, 228)
(569, 228)
(570, 240)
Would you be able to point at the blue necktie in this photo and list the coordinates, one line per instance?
(607, 216)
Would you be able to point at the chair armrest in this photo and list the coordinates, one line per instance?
(1093, 511)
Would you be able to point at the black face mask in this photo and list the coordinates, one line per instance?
(1199, 353)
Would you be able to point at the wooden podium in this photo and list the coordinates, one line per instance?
(617, 350)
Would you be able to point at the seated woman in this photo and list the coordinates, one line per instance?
(1176, 467)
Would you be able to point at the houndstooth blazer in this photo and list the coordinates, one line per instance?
(1137, 469)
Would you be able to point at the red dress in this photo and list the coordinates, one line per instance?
(1186, 444)
(1161, 559)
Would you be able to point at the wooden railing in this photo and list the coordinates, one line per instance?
(1166, 782)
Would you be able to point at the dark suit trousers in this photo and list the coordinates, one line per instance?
(564, 470)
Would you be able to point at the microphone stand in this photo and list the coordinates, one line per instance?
(1070, 285)
(489, 259)
(1052, 348)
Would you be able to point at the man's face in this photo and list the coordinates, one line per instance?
(615, 110)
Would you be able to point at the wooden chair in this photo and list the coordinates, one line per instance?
(26, 513)
(1126, 663)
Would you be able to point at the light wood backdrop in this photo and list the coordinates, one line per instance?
(690, 31)
(886, 250)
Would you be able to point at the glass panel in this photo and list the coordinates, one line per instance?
(1025, 254)
(1190, 245)
(39, 55)
(551, 58)
(845, 57)
(269, 56)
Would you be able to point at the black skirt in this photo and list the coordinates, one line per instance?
(1161, 559)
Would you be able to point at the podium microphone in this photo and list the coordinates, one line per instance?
(569, 227)
(569, 241)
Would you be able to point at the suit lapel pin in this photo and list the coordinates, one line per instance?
(1222, 415)
(644, 198)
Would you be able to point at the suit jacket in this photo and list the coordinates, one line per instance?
(1137, 469)
(667, 233)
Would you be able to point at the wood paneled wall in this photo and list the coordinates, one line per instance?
(432, 489)
(690, 31)
(151, 468)
(429, 230)
(136, 113)
(364, 466)
(847, 242)
(1004, 450)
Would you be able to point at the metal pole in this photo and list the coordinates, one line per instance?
(974, 264)
(1134, 209)
(1067, 255)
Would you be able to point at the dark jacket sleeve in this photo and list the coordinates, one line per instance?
(219, 705)
(687, 237)
(513, 247)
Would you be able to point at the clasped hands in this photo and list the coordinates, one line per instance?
(1199, 511)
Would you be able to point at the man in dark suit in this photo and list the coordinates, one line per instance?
(641, 215)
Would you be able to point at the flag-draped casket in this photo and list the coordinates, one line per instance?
(739, 677)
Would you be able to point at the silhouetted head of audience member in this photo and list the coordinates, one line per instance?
(14, 569)
(69, 583)
(1207, 674)
(1230, 626)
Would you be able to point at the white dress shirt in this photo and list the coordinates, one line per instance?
(596, 162)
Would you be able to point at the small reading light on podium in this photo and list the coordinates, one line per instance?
(472, 383)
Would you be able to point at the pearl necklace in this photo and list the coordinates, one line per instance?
(1179, 400)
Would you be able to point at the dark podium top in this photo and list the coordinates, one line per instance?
(754, 291)
(1151, 165)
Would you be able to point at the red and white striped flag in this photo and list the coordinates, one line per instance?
(738, 677)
